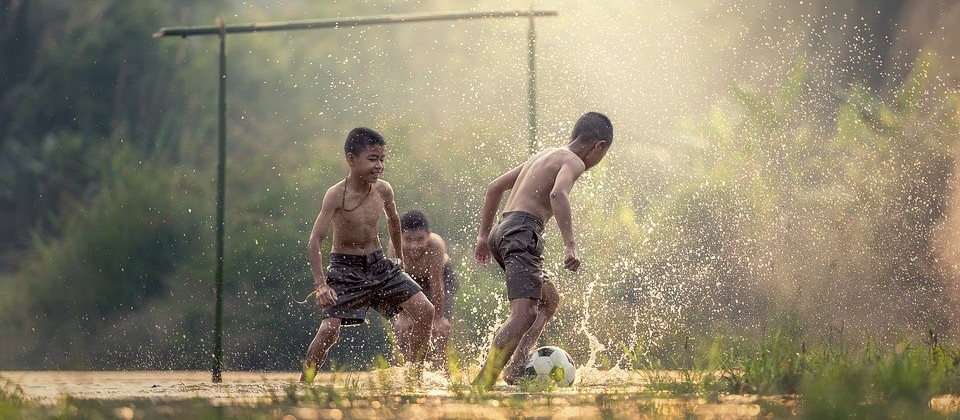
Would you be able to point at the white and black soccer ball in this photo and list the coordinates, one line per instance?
(553, 363)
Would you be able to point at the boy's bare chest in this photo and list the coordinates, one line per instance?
(365, 214)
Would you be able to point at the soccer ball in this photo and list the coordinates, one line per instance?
(553, 363)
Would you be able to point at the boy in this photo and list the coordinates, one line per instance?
(429, 264)
(540, 188)
(359, 276)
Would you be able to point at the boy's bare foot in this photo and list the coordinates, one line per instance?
(483, 384)
(512, 374)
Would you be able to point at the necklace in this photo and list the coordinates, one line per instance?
(343, 200)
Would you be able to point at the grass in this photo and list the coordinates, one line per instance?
(829, 379)
(12, 399)
(897, 381)
(834, 380)
(779, 376)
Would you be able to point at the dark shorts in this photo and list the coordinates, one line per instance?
(367, 281)
(517, 245)
(450, 285)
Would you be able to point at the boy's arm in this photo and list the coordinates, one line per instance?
(437, 285)
(325, 295)
(390, 252)
(488, 211)
(560, 203)
(393, 221)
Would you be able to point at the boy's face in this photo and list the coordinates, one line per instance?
(369, 164)
(596, 154)
(415, 242)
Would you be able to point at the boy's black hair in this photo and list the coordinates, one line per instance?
(593, 126)
(413, 220)
(361, 138)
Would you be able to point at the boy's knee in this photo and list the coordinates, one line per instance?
(329, 327)
(525, 311)
(426, 317)
(418, 308)
(402, 322)
(550, 299)
(442, 326)
(425, 310)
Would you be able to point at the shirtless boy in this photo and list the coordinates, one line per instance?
(427, 261)
(359, 275)
(540, 188)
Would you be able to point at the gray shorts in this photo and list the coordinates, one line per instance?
(517, 245)
(367, 281)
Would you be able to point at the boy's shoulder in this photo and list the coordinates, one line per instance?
(379, 185)
(339, 184)
(556, 152)
(334, 191)
(438, 246)
(382, 186)
(567, 154)
(558, 155)
(545, 152)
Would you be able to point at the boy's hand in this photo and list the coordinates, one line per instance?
(325, 296)
(570, 259)
(481, 252)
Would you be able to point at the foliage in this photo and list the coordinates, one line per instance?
(115, 252)
(84, 75)
(774, 215)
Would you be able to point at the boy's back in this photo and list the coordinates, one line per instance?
(531, 192)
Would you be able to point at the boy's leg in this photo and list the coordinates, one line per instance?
(326, 336)
(420, 310)
(402, 329)
(441, 333)
(545, 312)
(523, 312)
(441, 329)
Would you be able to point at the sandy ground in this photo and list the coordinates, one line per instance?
(51, 386)
(431, 400)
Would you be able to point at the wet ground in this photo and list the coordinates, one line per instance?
(381, 394)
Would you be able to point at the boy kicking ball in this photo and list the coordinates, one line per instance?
(539, 189)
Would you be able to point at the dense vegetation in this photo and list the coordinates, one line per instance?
(786, 193)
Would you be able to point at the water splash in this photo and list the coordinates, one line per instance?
(595, 347)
